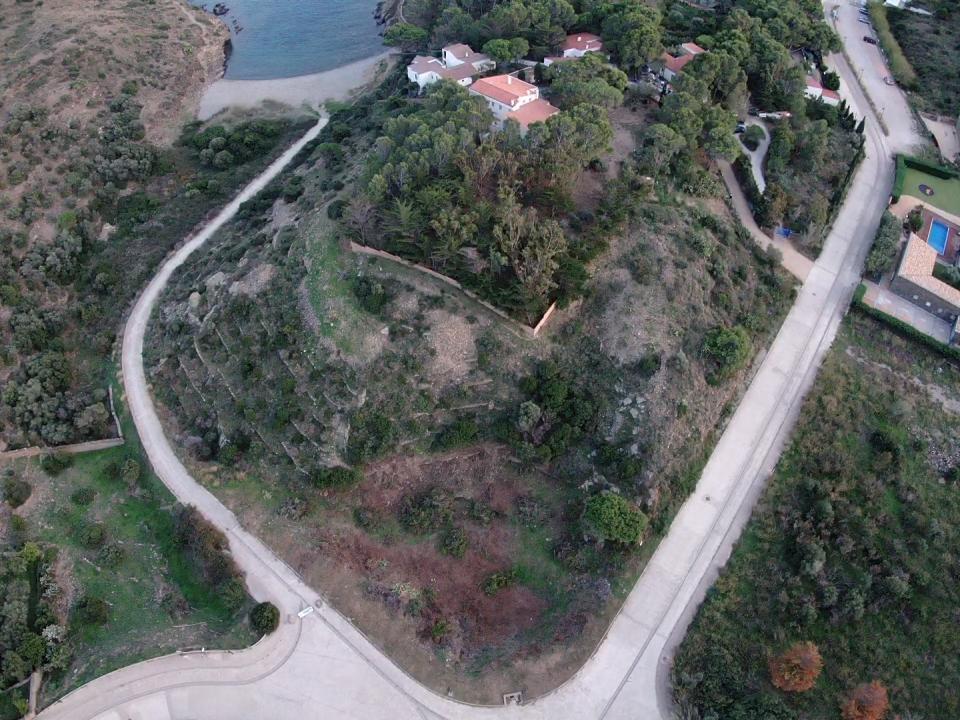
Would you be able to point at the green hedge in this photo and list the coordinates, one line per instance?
(903, 329)
(899, 65)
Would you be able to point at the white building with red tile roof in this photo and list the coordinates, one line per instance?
(463, 54)
(816, 91)
(510, 98)
(459, 63)
(576, 46)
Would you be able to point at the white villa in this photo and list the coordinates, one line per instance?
(510, 98)
(459, 63)
(576, 46)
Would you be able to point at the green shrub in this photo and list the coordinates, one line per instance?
(82, 496)
(885, 246)
(371, 294)
(16, 491)
(338, 476)
(335, 209)
(453, 542)
(425, 512)
(500, 580)
(92, 610)
(91, 535)
(728, 349)
(753, 136)
(55, 463)
(609, 516)
(462, 432)
(371, 434)
(111, 555)
(264, 618)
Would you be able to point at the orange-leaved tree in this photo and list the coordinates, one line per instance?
(868, 701)
(797, 668)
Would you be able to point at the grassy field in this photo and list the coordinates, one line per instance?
(158, 604)
(852, 548)
(946, 191)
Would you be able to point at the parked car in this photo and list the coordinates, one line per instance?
(868, 39)
(741, 127)
(889, 80)
(865, 19)
(753, 111)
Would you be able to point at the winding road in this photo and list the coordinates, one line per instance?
(318, 665)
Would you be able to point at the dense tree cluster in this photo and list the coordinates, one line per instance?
(480, 206)
(30, 635)
(209, 551)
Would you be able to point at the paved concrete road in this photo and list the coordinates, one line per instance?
(869, 65)
(322, 667)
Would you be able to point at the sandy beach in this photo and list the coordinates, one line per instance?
(336, 84)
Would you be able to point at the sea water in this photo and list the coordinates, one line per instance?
(285, 38)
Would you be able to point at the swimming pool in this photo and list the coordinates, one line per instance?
(937, 237)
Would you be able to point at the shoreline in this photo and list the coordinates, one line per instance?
(312, 89)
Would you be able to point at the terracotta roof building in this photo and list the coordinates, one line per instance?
(459, 63)
(816, 91)
(914, 281)
(576, 46)
(673, 64)
(533, 112)
(510, 98)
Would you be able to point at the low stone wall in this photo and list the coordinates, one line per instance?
(533, 331)
(75, 449)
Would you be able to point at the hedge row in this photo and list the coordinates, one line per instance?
(899, 65)
(901, 328)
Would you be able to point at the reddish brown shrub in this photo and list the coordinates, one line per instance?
(797, 669)
(868, 701)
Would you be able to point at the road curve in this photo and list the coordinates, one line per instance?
(321, 666)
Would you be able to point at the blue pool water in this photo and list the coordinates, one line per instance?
(285, 38)
(937, 238)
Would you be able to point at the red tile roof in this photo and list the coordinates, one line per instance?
(424, 63)
(505, 89)
(692, 48)
(583, 42)
(459, 72)
(533, 112)
(676, 64)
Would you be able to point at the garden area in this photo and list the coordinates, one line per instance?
(835, 601)
(933, 184)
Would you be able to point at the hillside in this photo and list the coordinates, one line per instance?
(100, 177)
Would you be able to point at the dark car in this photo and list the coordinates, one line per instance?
(868, 39)
(741, 127)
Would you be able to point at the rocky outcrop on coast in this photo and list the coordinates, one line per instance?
(388, 12)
